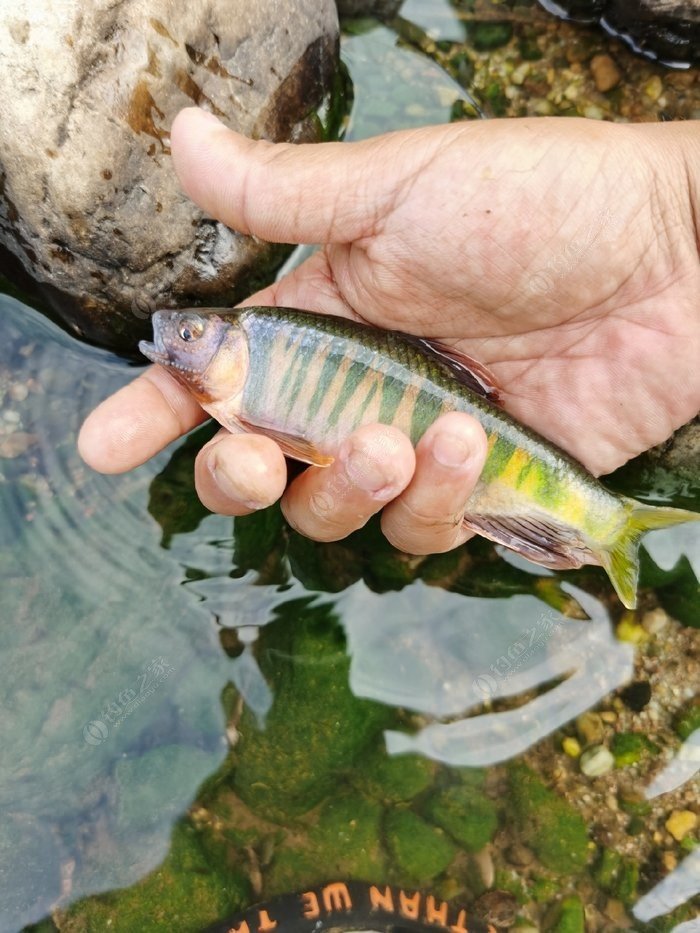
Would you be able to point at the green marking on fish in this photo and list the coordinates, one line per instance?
(426, 408)
(392, 395)
(366, 403)
(356, 373)
(329, 370)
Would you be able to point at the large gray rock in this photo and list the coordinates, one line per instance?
(90, 206)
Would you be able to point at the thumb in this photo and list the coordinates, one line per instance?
(286, 193)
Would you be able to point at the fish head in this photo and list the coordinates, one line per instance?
(203, 350)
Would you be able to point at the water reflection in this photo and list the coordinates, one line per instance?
(450, 654)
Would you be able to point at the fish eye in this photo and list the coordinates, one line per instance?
(190, 328)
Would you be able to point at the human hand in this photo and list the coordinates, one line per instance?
(561, 253)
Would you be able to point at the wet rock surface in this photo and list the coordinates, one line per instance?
(90, 207)
(665, 29)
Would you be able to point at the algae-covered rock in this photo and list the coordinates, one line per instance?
(343, 843)
(628, 748)
(547, 823)
(466, 813)
(392, 778)
(570, 917)
(618, 876)
(316, 727)
(688, 719)
(185, 894)
(418, 850)
(346, 837)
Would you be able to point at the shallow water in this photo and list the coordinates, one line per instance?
(197, 710)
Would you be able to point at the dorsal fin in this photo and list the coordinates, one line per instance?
(471, 373)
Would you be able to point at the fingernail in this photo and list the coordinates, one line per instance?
(367, 473)
(450, 450)
(228, 485)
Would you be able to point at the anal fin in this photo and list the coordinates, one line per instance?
(535, 537)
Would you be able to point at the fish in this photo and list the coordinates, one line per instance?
(308, 380)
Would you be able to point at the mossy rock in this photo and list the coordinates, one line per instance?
(547, 823)
(570, 917)
(688, 720)
(487, 35)
(618, 876)
(418, 850)
(629, 748)
(185, 893)
(346, 838)
(466, 813)
(316, 729)
(343, 843)
(393, 778)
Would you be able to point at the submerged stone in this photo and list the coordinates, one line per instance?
(393, 778)
(316, 727)
(185, 893)
(466, 813)
(547, 823)
(418, 850)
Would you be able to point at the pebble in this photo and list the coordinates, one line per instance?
(653, 89)
(571, 747)
(680, 823)
(520, 73)
(654, 621)
(596, 761)
(12, 417)
(484, 862)
(497, 907)
(629, 630)
(18, 392)
(669, 861)
(590, 728)
(520, 855)
(14, 445)
(605, 72)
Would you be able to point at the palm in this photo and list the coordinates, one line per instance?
(560, 272)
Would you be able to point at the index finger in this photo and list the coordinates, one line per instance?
(137, 422)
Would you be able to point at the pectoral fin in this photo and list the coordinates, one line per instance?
(538, 538)
(298, 448)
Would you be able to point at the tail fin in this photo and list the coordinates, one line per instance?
(620, 559)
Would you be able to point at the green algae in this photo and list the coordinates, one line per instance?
(316, 728)
(688, 719)
(617, 875)
(393, 779)
(547, 823)
(418, 850)
(466, 814)
(185, 893)
(629, 748)
(346, 837)
(570, 918)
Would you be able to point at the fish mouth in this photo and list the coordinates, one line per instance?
(153, 353)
